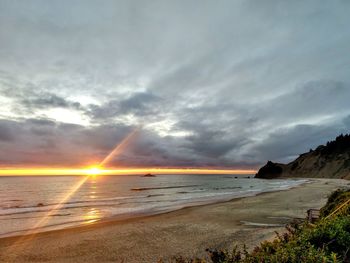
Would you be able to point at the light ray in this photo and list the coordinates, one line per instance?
(28, 235)
(119, 148)
(62, 202)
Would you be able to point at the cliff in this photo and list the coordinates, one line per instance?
(326, 161)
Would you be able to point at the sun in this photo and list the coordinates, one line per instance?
(93, 171)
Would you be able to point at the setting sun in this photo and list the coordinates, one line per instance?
(93, 171)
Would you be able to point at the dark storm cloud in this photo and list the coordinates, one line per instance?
(214, 84)
(300, 139)
(7, 132)
(270, 129)
(28, 97)
(40, 123)
(48, 101)
(41, 142)
(77, 145)
(142, 103)
(313, 99)
(209, 142)
(139, 104)
(347, 122)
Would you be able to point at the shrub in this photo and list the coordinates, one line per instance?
(334, 200)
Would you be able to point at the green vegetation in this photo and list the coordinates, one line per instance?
(326, 241)
(336, 198)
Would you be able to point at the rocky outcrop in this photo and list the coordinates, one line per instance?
(270, 170)
(326, 161)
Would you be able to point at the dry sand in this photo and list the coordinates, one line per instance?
(186, 232)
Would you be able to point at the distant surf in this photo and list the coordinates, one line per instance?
(25, 200)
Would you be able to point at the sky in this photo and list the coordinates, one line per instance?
(204, 83)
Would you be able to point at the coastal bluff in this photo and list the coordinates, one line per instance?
(326, 161)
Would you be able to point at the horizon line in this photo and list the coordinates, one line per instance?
(118, 171)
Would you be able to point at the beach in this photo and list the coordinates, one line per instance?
(186, 232)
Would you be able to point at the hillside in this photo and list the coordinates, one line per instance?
(326, 161)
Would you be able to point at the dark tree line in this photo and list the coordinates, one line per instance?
(339, 145)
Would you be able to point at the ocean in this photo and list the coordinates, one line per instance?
(31, 204)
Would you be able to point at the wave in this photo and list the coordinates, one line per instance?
(78, 205)
(159, 188)
(228, 187)
(155, 195)
(192, 195)
(74, 202)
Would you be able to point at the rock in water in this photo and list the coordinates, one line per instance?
(149, 175)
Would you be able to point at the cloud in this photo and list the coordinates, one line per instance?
(285, 145)
(47, 100)
(6, 132)
(29, 97)
(138, 104)
(347, 122)
(229, 84)
(47, 143)
(313, 100)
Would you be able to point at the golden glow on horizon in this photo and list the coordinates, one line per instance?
(93, 171)
(121, 171)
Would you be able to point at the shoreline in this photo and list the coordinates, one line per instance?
(187, 231)
(129, 217)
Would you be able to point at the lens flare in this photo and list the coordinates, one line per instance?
(119, 148)
(32, 232)
(92, 171)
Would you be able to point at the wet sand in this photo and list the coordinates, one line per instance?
(187, 232)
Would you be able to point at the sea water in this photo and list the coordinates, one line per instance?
(43, 203)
